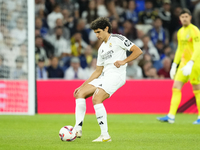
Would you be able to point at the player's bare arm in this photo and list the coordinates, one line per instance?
(136, 52)
(94, 75)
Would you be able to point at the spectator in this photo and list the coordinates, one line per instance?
(152, 73)
(167, 51)
(165, 14)
(9, 52)
(54, 70)
(91, 13)
(91, 67)
(149, 49)
(39, 5)
(158, 32)
(39, 26)
(72, 6)
(115, 27)
(148, 15)
(41, 72)
(147, 57)
(75, 71)
(68, 20)
(66, 32)
(145, 68)
(131, 13)
(44, 19)
(62, 48)
(120, 7)
(110, 4)
(49, 5)
(23, 54)
(160, 46)
(80, 27)
(175, 22)
(77, 44)
(129, 30)
(138, 41)
(4, 70)
(174, 42)
(164, 72)
(18, 72)
(196, 13)
(19, 30)
(53, 16)
(133, 71)
(101, 9)
(40, 52)
(86, 57)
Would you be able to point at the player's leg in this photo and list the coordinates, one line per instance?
(175, 101)
(195, 81)
(99, 96)
(196, 91)
(80, 109)
(176, 98)
(179, 81)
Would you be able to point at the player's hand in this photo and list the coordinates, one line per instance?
(119, 63)
(187, 69)
(173, 70)
(76, 90)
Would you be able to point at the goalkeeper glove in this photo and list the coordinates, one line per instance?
(187, 69)
(173, 70)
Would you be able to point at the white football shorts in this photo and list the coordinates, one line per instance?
(110, 83)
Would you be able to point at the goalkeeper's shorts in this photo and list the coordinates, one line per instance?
(194, 77)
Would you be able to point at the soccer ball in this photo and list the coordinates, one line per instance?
(66, 133)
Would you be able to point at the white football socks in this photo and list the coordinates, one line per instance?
(171, 116)
(102, 118)
(79, 113)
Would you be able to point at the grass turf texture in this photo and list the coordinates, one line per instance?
(134, 132)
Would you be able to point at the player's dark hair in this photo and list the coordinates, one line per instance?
(185, 10)
(101, 23)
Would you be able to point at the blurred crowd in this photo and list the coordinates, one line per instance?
(66, 47)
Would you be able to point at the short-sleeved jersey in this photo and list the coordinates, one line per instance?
(111, 51)
(188, 45)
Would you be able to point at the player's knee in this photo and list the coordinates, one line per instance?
(178, 85)
(79, 94)
(195, 87)
(96, 101)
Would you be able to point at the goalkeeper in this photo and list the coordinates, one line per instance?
(188, 58)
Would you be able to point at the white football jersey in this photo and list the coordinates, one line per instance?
(111, 51)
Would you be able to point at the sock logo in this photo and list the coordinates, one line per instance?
(81, 123)
(99, 117)
(100, 123)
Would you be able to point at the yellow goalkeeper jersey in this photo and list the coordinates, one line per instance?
(188, 45)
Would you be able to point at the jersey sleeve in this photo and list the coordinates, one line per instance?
(100, 61)
(125, 43)
(196, 44)
(179, 50)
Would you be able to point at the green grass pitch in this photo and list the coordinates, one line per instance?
(128, 132)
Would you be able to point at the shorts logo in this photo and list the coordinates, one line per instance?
(110, 45)
(127, 43)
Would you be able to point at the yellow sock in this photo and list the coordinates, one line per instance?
(175, 101)
(197, 96)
